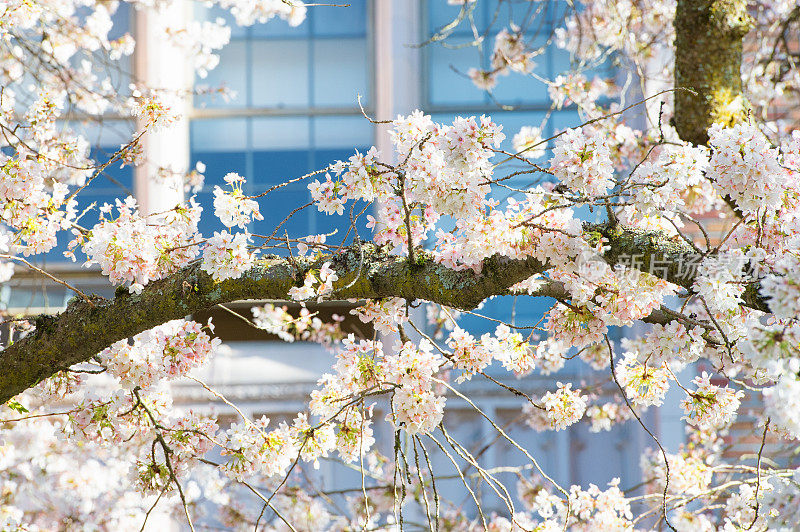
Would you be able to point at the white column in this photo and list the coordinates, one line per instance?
(383, 71)
(407, 59)
(159, 64)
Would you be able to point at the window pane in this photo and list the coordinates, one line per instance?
(442, 14)
(348, 132)
(278, 28)
(278, 166)
(564, 119)
(231, 72)
(276, 206)
(50, 297)
(529, 310)
(348, 21)
(559, 62)
(447, 71)
(280, 132)
(225, 134)
(279, 73)
(122, 22)
(518, 89)
(211, 13)
(340, 72)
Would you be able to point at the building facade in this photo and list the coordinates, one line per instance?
(296, 110)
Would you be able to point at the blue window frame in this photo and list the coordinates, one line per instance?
(517, 100)
(296, 112)
(321, 63)
(448, 92)
(273, 150)
(114, 181)
(447, 63)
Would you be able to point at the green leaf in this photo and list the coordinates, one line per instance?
(17, 406)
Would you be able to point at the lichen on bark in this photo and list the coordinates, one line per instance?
(708, 60)
(365, 272)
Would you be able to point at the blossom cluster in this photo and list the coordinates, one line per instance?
(564, 407)
(600, 509)
(589, 509)
(251, 448)
(510, 54)
(670, 344)
(781, 286)
(644, 385)
(625, 26)
(415, 404)
(605, 416)
(188, 438)
(90, 483)
(360, 365)
(473, 355)
(745, 166)
(669, 182)
(711, 406)
(446, 167)
(36, 174)
(384, 314)
(689, 474)
(576, 328)
(233, 208)
(226, 256)
(117, 417)
(575, 88)
(781, 403)
(554, 238)
(528, 142)
(583, 162)
(199, 40)
(720, 282)
(134, 249)
(317, 283)
(157, 109)
(307, 326)
(261, 11)
(164, 352)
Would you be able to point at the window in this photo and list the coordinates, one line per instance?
(272, 150)
(517, 100)
(295, 112)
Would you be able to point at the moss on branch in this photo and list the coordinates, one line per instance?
(365, 272)
(708, 59)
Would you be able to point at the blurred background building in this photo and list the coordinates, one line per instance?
(296, 110)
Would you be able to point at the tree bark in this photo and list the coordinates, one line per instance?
(708, 61)
(365, 272)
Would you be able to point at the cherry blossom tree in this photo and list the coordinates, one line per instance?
(697, 127)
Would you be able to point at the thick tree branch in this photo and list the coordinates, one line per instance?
(708, 60)
(82, 331)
